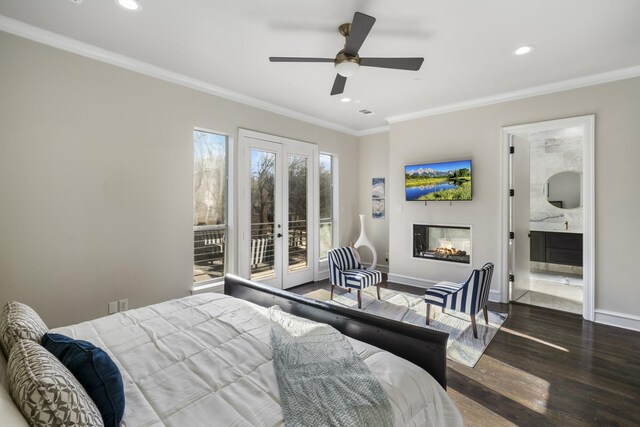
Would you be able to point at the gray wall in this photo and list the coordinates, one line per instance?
(475, 134)
(374, 163)
(96, 180)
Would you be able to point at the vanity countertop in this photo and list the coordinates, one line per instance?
(549, 229)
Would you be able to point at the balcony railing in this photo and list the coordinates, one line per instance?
(262, 247)
(209, 252)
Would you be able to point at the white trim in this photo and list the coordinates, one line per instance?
(588, 232)
(409, 280)
(591, 80)
(230, 252)
(49, 38)
(217, 287)
(495, 296)
(383, 268)
(323, 275)
(505, 215)
(373, 131)
(68, 44)
(620, 320)
(282, 146)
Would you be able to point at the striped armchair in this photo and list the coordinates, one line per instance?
(468, 297)
(346, 271)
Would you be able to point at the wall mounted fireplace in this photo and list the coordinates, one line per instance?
(449, 243)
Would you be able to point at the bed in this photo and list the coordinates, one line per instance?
(206, 359)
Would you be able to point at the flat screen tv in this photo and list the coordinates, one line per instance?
(438, 181)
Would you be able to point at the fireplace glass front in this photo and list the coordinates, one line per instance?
(443, 243)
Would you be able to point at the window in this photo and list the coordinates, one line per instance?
(210, 178)
(326, 204)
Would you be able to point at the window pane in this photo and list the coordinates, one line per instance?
(209, 205)
(326, 238)
(263, 179)
(326, 204)
(209, 179)
(297, 212)
(326, 187)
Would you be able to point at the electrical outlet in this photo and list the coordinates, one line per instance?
(123, 305)
(113, 307)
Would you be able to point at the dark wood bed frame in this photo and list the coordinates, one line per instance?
(423, 347)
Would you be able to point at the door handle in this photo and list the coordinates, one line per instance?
(279, 235)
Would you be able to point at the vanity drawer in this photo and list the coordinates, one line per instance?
(564, 256)
(556, 248)
(564, 241)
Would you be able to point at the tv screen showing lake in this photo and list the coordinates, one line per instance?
(438, 181)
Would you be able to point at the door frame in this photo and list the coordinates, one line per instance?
(588, 202)
(244, 193)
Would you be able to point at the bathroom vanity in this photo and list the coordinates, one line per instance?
(556, 247)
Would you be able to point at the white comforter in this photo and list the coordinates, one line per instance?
(206, 360)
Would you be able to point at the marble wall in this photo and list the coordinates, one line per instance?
(552, 152)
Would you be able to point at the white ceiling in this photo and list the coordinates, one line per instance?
(467, 46)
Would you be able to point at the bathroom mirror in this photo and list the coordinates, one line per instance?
(564, 190)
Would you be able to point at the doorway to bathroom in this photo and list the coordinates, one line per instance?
(550, 220)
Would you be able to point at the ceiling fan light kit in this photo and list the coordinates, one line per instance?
(347, 62)
(347, 66)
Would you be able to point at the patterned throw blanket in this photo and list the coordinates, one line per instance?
(322, 380)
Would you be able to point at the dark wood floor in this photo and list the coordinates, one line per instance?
(546, 368)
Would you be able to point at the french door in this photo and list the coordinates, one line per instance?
(278, 209)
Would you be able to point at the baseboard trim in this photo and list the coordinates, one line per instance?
(620, 320)
(380, 267)
(495, 296)
(409, 280)
(323, 275)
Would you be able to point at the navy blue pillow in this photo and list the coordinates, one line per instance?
(94, 369)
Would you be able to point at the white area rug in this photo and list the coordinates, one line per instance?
(462, 347)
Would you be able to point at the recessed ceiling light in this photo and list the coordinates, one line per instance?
(345, 100)
(523, 50)
(133, 5)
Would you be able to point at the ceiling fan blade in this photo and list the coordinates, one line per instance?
(359, 31)
(412, 64)
(295, 59)
(338, 85)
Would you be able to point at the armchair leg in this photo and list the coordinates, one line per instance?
(486, 315)
(428, 312)
(349, 290)
(359, 298)
(378, 286)
(473, 325)
(332, 286)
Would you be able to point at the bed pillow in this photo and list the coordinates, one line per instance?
(45, 391)
(19, 321)
(95, 370)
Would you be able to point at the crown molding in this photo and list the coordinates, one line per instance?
(373, 131)
(68, 44)
(592, 80)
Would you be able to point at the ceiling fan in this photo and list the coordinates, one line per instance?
(347, 61)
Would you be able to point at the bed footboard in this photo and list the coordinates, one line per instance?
(423, 347)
